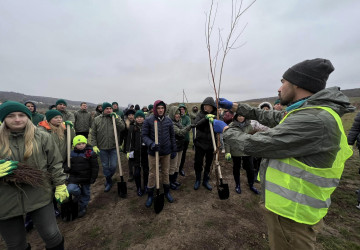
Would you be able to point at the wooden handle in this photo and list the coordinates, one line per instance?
(157, 155)
(212, 136)
(68, 144)
(117, 146)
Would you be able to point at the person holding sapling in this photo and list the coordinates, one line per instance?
(25, 147)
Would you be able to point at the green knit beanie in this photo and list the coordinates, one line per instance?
(139, 113)
(61, 101)
(106, 105)
(11, 106)
(51, 114)
(150, 106)
(79, 139)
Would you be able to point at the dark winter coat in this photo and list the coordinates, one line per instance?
(135, 143)
(185, 121)
(354, 133)
(83, 121)
(84, 166)
(35, 116)
(166, 132)
(203, 134)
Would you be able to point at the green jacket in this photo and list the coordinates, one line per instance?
(61, 144)
(185, 121)
(36, 118)
(83, 121)
(193, 114)
(310, 136)
(102, 131)
(180, 130)
(68, 116)
(234, 127)
(20, 199)
(119, 113)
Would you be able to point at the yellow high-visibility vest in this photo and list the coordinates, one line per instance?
(302, 193)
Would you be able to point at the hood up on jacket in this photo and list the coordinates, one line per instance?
(172, 111)
(33, 103)
(157, 103)
(182, 105)
(208, 101)
(266, 104)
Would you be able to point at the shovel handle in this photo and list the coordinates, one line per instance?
(68, 137)
(117, 146)
(156, 154)
(212, 136)
(215, 149)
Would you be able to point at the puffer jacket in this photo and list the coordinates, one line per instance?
(19, 199)
(185, 121)
(166, 132)
(135, 143)
(203, 136)
(83, 121)
(61, 144)
(354, 133)
(310, 136)
(179, 129)
(68, 116)
(102, 132)
(84, 166)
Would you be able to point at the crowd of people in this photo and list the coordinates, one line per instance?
(297, 154)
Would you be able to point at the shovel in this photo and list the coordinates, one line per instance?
(223, 189)
(159, 198)
(122, 188)
(69, 209)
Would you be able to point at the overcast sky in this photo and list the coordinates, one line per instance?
(134, 51)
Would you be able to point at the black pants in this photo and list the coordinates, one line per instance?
(257, 162)
(248, 165)
(199, 159)
(86, 134)
(186, 145)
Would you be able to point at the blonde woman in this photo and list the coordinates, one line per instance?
(22, 142)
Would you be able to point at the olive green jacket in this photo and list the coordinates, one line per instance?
(20, 199)
(102, 131)
(68, 116)
(310, 136)
(83, 121)
(233, 128)
(36, 118)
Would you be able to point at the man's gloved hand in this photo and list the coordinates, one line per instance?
(223, 103)
(228, 156)
(114, 114)
(69, 123)
(155, 147)
(173, 155)
(96, 150)
(7, 167)
(219, 126)
(61, 193)
(210, 117)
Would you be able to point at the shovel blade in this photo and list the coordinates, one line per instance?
(122, 189)
(223, 190)
(158, 202)
(69, 210)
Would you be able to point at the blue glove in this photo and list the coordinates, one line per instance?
(219, 126)
(225, 103)
(173, 155)
(155, 147)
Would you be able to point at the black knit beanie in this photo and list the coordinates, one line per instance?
(11, 106)
(51, 114)
(310, 74)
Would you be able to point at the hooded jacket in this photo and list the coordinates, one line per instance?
(244, 127)
(193, 114)
(203, 136)
(266, 104)
(19, 199)
(311, 136)
(354, 133)
(180, 130)
(98, 112)
(35, 116)
(83, 121)
(165, 131)
(185, 120)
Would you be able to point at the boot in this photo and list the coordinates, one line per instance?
(167, 193)
(138, 185)
(206, 182)
(252, 188)
(82, 212)
(150, 198)
(28, 223)
(198, 180)
(108, 184)
(178, 184)
(172, 182)
(28, 247)
(238, 189)
(58, 247)
(182, 172)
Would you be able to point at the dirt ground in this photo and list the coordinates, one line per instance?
(196, 219)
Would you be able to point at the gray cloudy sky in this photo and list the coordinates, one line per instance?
(136, 51)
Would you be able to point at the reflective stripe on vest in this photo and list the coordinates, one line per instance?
(302, 193)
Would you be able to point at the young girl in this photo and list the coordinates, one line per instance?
(83, 171)
(22, 142)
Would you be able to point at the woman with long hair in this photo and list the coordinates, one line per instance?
(23, 146)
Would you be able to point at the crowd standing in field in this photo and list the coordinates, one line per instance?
(299, 153)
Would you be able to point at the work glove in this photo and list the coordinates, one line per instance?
(145, 113)
(228, 156)
(96, 150)
(114, 114)
(69, 123)
(210, 117)
(173, 155)
(61, 193)
(219, 126)
(155, 147)
(130, 155)
(223, 103)
(7, 167)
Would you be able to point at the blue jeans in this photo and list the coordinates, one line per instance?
(108, 159)
(81, 191)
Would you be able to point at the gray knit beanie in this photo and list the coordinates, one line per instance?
(310, 74)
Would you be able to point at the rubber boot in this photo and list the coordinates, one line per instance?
(198, 180)
(237, 182)
(167, 193)
(182, 172)
(252, 188)
(138, 185)
(108, 184)
(206, 181)
(172, 184)
(150, 198)
(58, 247)
(178, 184)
